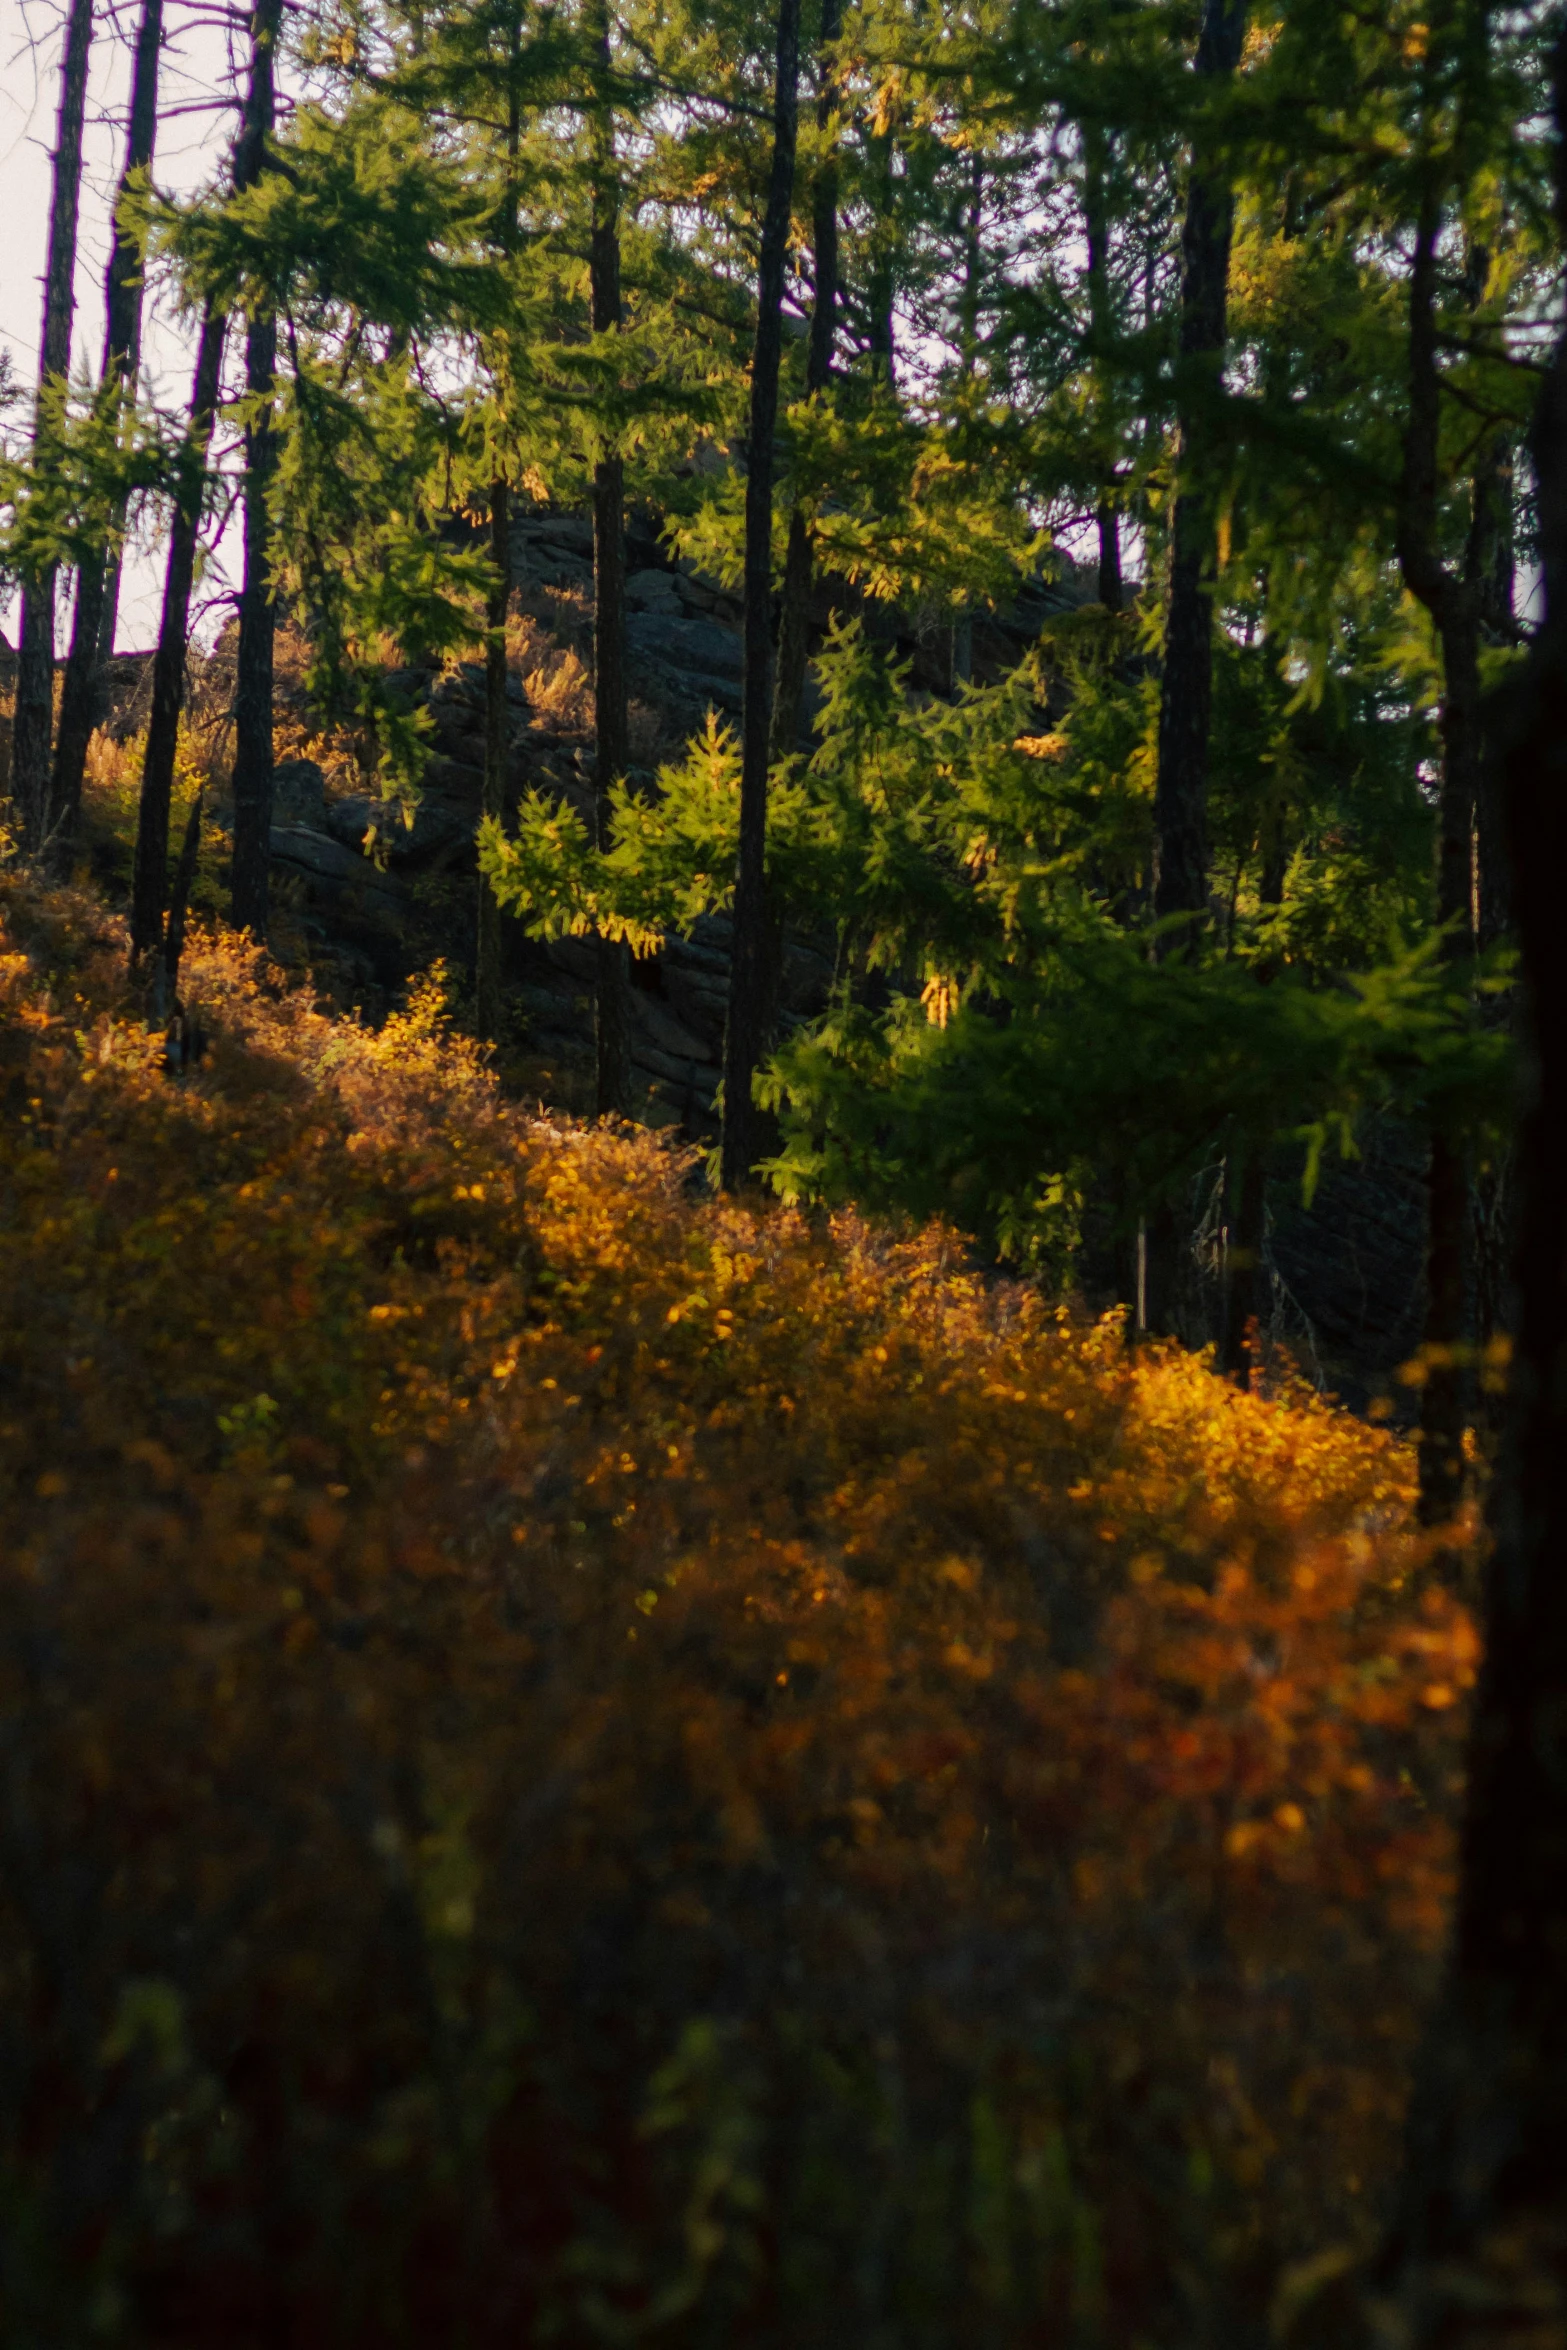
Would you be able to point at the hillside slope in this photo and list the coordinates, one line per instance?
(587, 1765)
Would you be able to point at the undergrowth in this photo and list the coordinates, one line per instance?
(586, 1765)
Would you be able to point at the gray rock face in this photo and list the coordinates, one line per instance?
(439, 824)
(330, 870)
(654, 591)
(698, 647)
(1351, 1268)
(298, 793)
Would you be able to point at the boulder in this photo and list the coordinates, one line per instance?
(698, 647)
(332, 871)
(298, 793)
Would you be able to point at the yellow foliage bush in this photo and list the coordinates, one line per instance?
(586, 1765)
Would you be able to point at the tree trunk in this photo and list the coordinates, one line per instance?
(794, 619)
(1245, 1254)
(1186, 684)
(746, 1033)
(1097, 237)
(250, 879)
(92, 629)
(1490, 570)
(1109, 588)
(881, 289)
(1490, 567)
(497, 604)
(149, 884)
(1186, 688)
(1244, 1290)
(1454, 605)
(1478, 2252)
(497, 728)
(33, 724)
(612, 998)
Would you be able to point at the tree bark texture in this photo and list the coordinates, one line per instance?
(746, 1033)
(1477, 2256)
(33, 724)
(1186, 687)
(612, 993)
(250, 879)
(149, 882)
(1454, 605)
(497, 728)
(92, 626)
(794, 617)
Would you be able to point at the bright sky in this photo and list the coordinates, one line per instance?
(191, 141)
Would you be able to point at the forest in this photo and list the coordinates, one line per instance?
(783, 1179)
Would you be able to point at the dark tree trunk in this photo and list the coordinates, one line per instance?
(1186, 685)
(1244, 1270)
(1478, 2253)
(497, 729)
(1454, 605)
(1100, 324)
(92, 628)
(179, 904)
(1490, 565)
(249, 898)
(33, 724)
(1490, 570)
(497, 604)
(746, 1034)
(1109, 589)
(149, 884)
(1186, 689)
(794, 618)
(881, 287)
(1245, 1255)
(612, 1003)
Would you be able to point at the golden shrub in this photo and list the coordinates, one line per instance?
(586, 1764)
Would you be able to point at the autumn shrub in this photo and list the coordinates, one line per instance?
(586, 1765)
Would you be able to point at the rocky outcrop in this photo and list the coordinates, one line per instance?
(377, 894)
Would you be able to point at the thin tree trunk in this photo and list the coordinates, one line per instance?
(746, 1034)
(497, 728)
(1186, 684)
(497, 725)
(1097, 236)
(1109, 588)
(1490, 564)
(93, 621)
(1455, 607)
(1186, 689)
(1477, 2255)
(1245, 1268)
(1490, 571)
(149, 883)
(881, 290)
(250, 877)
(961, 668)
(612, 999)
(794, 619)
(33, 725)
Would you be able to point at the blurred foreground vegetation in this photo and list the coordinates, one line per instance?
(587, 1764)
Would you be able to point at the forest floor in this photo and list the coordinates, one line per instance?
(587, 1763)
